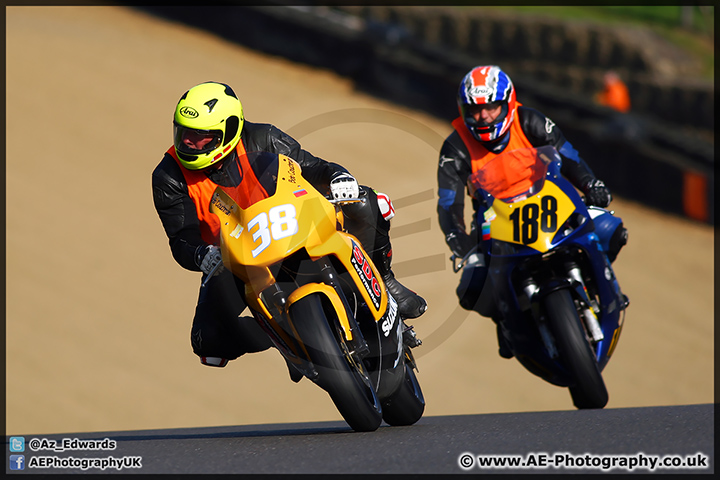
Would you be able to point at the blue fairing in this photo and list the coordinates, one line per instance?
(591, 238)
(605, 225)
(608, 293)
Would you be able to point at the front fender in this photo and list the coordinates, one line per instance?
(330, 294)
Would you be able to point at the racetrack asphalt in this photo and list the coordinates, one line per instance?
(582, 441)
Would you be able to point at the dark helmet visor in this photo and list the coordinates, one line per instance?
(469, 110)
(195, 141)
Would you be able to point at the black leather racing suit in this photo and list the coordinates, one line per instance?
(217, 331)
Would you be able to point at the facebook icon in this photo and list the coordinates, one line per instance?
(17, 462)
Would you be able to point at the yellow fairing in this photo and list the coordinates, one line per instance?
(296, 216)
(534, 221)
(331, 294)
(273, 228)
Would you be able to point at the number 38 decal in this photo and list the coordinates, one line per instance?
(279, 222)
(531, 216)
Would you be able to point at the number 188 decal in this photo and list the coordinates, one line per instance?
(279, 222)
(528, 218)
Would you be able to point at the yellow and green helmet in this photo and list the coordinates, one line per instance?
(207, 125)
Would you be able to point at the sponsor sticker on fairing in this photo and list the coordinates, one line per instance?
(390, 316)
(486, 231)
(367, 276)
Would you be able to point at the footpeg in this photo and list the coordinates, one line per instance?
(409, 337)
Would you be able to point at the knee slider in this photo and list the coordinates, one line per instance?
(215, 347)
(468, 301)
(471, 286)
(214, 361)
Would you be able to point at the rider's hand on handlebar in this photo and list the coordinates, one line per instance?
(596, 193)
(344, 185)
(460, 243)
(210, 259)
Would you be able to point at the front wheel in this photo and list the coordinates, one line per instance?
(589, 389)
(339, 374)
(407, 404)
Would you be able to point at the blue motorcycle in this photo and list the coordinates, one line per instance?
(554, 295)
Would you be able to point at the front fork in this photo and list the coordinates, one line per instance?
(530, 289)
(587, 307)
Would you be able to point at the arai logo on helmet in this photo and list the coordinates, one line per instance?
(480, 91)
(188, 112)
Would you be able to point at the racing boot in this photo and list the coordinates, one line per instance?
(295, 374)
(504, 347)
(410, 304)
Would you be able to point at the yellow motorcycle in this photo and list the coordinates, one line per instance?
(315, 292)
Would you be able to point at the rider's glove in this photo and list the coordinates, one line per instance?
(344, 185)
(460, 244)
(596, 193)
(209, 258)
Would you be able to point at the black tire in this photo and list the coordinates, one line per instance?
(346, 382)
(407, 404)
(589, 389)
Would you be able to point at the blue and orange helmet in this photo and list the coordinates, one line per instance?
(487, 85)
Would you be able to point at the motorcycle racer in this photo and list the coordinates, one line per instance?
(492, 120)
(211, 137)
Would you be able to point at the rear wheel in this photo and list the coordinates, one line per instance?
(407, 404)
(589, 389)
(339, 373)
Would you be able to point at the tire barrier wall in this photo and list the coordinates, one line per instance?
(572, 56)
(383, 50)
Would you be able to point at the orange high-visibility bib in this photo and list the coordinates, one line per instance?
(201, 189)
(481, 155)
